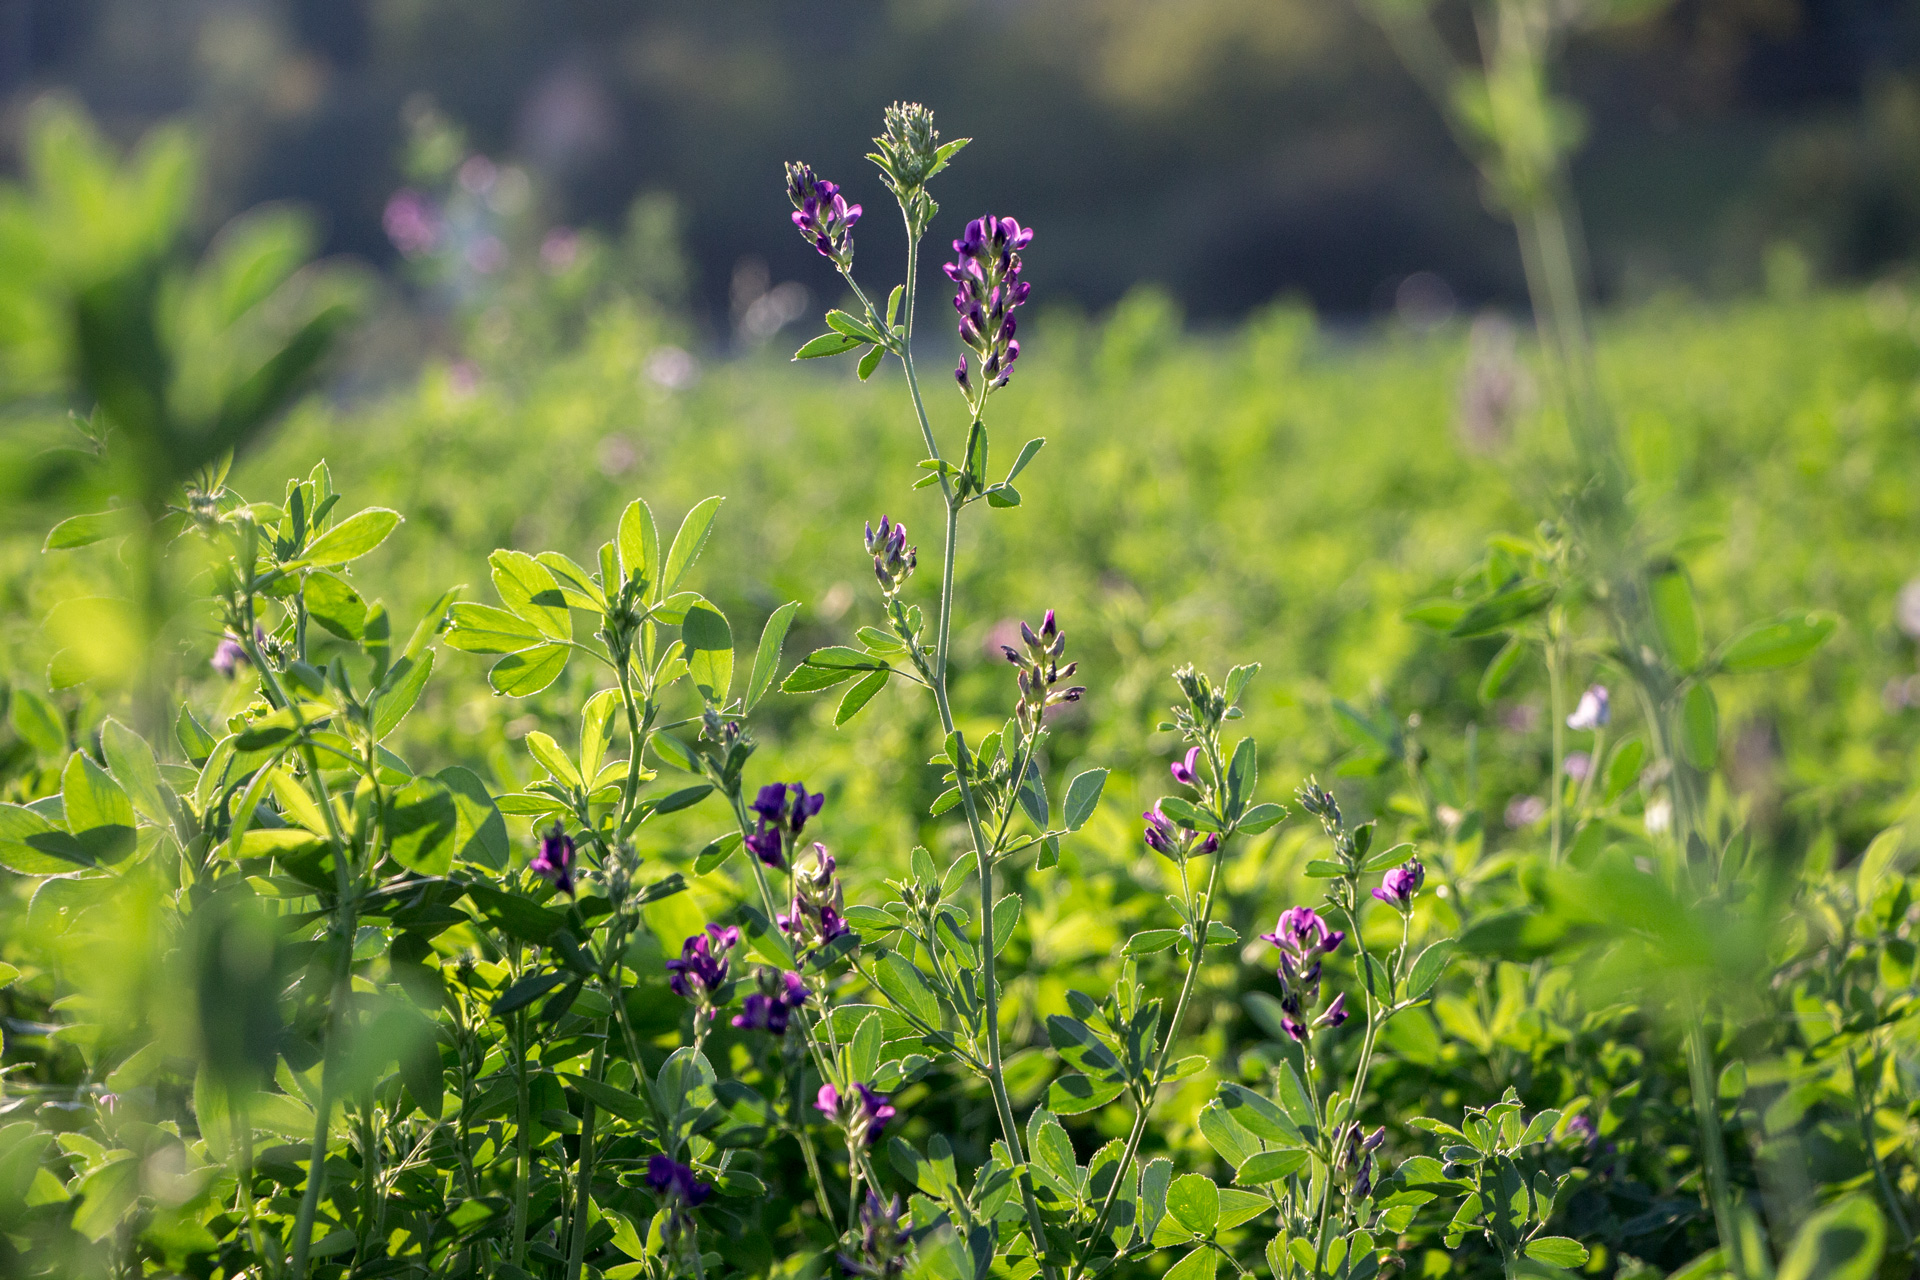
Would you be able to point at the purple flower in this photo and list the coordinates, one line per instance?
(893, 559)
(1582, 1127)
(1524, 811)
(555, 860)
(1039, 664)
(804, 806)
(884, 1241)
(771, 802)
(701, 969)
(822, 215)
(987, 269)
(1176, 842)
(863, 1113)
(1595, 710)
(765, 845)
(1399, 885)
(816, 917)
(676, 1182)
(1336, 1013)
(228, 655)
(1304, 934)
(1184, 771)
(769, 1010)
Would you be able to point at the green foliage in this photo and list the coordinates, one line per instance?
(345, 964)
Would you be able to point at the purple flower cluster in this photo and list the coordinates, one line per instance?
(1303, 938)
(861, 1112)
(769, 1010)
(823, 216)
(780, 822)
(1040, 670)
(818, 915)
(701, 970)
(676, 1182)
(1187, 772)
(884, 1241)
(1170, 840)
(987, 269)
(893, 559)
(1354, 1154)
(1399, 885)
(554, 861)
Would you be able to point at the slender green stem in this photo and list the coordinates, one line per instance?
(1145, 1109)
(1556, 703)
(1706, 1109)
(583, 1184)
(323, 1111)
(1863, 1110)
(523, 1142)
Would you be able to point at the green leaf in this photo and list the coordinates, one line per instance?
(422, 823)
(869, 362)
(1026, 455)
(709, 642)
(766, 659)
(1076, 1093)
(1270, 1166)
(530, 592)
(1428, 968)
(688, 544)
(350, 539)
(134, 767)
(1243, 775)
(893, 303)
(1150, 941)
(1623, 766)
(98, 812)
(1033, 795)
(859, 695)
(1843, 1241)
(1198, 1265)
(1779, 643)
(105, 1195)
(907, 987)
(1677, 618)
(1083, 797)
(1495, 677)
(627, 1106)
(639, 546)
(400, 691)
(1006, 914)
(1003, 496)
(335, 605)
(1502, 609)
(1559, 1251)
(850, 325)
(824, 668)
(1700, 728)
(1184, 812)
(1194, 1202)
(481, 628)
(1259, 818)
(828, 344)
(514, 915)
(32, 846)
(575, 584)
(521, 675)
(38, 722)
(81, 531)
(1258, 1114)
(553, 759)
(480, 836)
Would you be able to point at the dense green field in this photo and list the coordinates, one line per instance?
(1279, 493)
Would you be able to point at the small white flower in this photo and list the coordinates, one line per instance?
(1659, 816)
(1594, 711)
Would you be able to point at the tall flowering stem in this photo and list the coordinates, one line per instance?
(908, 154)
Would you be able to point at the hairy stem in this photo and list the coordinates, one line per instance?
(323, 1111)
(1706, 1109)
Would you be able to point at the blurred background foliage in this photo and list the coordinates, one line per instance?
(1233, 151)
